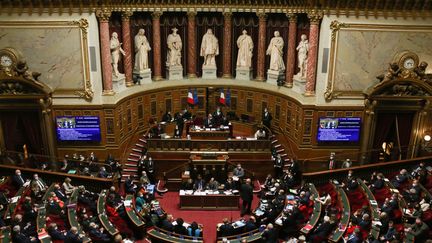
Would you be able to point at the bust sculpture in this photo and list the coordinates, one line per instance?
(209, 49)
(302, 54)
(275, 50)
(175, 45)
(116, 49)
(245, 52)
(142, 47)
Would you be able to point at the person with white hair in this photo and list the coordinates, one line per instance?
(322, 231)
(346, 164)
(270, 234)
(18, 236)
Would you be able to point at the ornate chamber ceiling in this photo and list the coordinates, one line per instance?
(386, 8)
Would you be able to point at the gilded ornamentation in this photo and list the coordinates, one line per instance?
(103, 14)
(191, 14)
(292, 17)
(126, 15)
(227, 14)
(262, 16)
(335, 26)
(315, 17)
(156, 15)
(16, 88)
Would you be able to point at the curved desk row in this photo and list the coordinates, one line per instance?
(374, 231)
(159, 235)
(14, 202)
(132, 214)
(43, 235)
(72, 214)
(103, 217)
(314, 218)
(345, 218)
(252, 236)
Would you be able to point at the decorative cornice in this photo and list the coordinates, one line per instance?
(103, 15)
(335, 26)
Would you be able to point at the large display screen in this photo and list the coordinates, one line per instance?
(78, 128)
(341, 129)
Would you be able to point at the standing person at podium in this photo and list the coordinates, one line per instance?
(178, 117)
(209, 122)
(246, 194)
(187, 115)
(266, 118)
(218, 117)
(167, 117)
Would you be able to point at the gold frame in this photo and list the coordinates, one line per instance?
(82, 25)
(335, 27)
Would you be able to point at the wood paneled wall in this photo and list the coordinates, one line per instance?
(122, 123)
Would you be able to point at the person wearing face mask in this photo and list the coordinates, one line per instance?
(18, 180)
(55, 233)
(420, 230)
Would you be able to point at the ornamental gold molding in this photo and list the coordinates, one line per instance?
(335, 26)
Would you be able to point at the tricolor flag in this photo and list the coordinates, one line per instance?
(195, 96)
(222, 96)
(190, 98)
(228, 97)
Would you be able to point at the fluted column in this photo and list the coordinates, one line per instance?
(227, 45)
(157, 58)
(127, 47)
(292, 33)
(314, 20)
(103, 17)
(191, 50)
(262, 17)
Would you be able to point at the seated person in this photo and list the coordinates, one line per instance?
(260, 134)
(194, 230)
(322, 231)
(199, 184)
(187, 184)
(179, 227)
(355, 237)
(103, 173)
(209, 122)
(18, 236)
(226, 229)
(325, 200)
(239, 172)
(97, 233)
(130, 187)
(378, 183)
(420, 230)
(38, 183)
(55, 233)
(390, 234)
(167, 223)
(59, 193)
(212, 184)
(67, 186)
(250, 224)
(401, 178)
(229, 184)
(269, 235)
(139, 201)
(167, 117)
(72, 236)
(18, 180)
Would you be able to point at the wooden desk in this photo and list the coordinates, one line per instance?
(210, 202)
(159, 235)
(132, 214)
(314, 218)
(375, 230)
(211, 135)
(103, 218)
(72, 214)
(345, 218)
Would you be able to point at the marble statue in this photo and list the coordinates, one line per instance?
(302, 54)
(275, 50)
(175, 45)
(245, 52)
(142, 47)
(116, 49)
(209, 49)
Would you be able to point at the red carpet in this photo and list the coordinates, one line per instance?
(209, 219)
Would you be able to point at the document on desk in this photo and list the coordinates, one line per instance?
(127, 203)
(182, 193)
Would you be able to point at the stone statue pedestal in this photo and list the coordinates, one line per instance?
(274, 76)
(174, 72)
(119, 82)
(143, 76)
(244, 73)
(299, 84)
(209, 72)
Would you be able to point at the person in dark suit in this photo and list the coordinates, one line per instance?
(226, 229)
(378, 184)
(72, 236)
(390, 234)
(167, 116)
(18, 180)
(354, 237)
(266, 118)
(199, 184)
(178, 117)
(179, 228)
(246, 194)
(98, 233)
(322, 231)
(218, 117)
(187, 115)
(103, 173)
(250, 224)
(420, 230)
(270, 234)
(59, 193)
(129, 185)
(401, 178)
(149, 169)
(167, 223)
(278, 166)
(55, 233)
(18, 236)
(209, 122)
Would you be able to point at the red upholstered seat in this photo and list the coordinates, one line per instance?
(161, 186)
(397, 214)
(257, 186)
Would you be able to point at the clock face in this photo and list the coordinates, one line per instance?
(5, 61)
(409, 63)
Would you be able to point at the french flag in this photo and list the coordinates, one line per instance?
(195, 96)
(190, 98)
(228, 97)
(222, 97)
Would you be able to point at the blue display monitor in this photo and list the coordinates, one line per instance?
(78, 128)
(341, 129)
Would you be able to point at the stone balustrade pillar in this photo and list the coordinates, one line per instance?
(127, 47)
(227, 45)
(191, 50)
(291, 50)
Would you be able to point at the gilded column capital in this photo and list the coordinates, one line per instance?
(262, 16)
(315, 17)
(103, 14)
(156, 14)
(292, 17)
(126, 15)
(191, 14)
(227, 14)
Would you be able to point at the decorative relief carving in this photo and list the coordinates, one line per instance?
(315, 17)
(335, 26)
(16, 88)
(103, 15)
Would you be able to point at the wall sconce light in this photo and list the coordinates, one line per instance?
(427, 138)
(426, 141)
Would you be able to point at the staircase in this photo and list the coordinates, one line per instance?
(277, 142)
(130, 167)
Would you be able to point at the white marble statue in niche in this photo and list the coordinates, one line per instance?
(116, 50)
(175, 45)
(142, 47)
(209, 49)
(275, 50)
(245, 51)
(302, 54)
